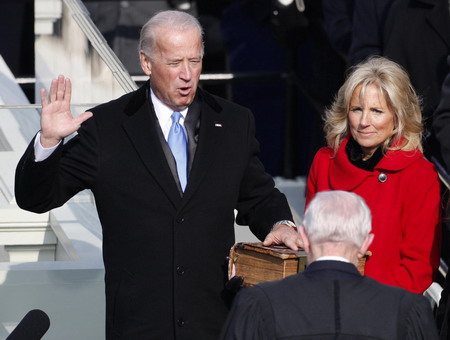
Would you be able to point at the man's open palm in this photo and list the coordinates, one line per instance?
(57, 121)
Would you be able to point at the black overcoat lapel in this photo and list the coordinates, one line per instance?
(211, 136)
(141, 129)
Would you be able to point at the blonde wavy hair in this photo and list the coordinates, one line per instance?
(395, 85)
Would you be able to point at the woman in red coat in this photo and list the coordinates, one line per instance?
(373, 131)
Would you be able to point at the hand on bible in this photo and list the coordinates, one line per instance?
(283, 234)
(57, 121)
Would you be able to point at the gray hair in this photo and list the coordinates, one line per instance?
(337, 216)
(175, 20)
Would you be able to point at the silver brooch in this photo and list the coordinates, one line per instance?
(382, 177)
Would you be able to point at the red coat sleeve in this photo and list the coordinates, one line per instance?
(318, 174)
(421, 228)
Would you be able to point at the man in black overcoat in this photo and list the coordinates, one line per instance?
(331, 299)
(164, 245)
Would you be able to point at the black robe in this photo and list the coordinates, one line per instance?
(329, 300)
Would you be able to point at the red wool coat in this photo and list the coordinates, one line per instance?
(405, 211)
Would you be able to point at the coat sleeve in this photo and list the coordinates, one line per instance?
(416, 320)
(368, 21)
(260, 204)
(318, 174)
(337, 16)
(421, 229)
(42, 186)
(250, 318)
(441, 121)
(311, 182)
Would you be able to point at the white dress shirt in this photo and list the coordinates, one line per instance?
(332, 258)
(164, 113)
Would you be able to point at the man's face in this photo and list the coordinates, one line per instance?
(175, 67)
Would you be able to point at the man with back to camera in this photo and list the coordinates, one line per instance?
(331, 299)
(167, 215)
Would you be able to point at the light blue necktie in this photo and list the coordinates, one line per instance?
(178, 145)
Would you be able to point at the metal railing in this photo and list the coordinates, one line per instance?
(81, 16)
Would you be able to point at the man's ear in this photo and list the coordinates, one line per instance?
(304, 238)
(366, 244)
(146, 64)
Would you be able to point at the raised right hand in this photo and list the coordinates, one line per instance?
(57, 121)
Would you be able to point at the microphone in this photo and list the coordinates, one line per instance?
(32, 327)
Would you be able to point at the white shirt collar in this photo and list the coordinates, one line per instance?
(163, 113)
(333, 258)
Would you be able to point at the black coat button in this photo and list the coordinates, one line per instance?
(180, 322)
(180, 270)
(180, 219)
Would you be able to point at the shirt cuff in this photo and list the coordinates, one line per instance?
(287, 223)
(41, 153)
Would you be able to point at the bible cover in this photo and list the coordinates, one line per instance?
(257, 263)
